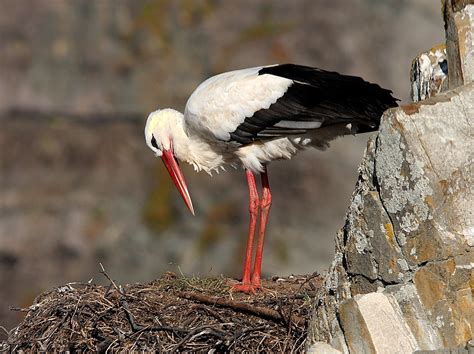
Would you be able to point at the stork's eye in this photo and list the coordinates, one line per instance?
(153, 142)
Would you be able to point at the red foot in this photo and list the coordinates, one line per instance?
(244, 288)
(256, 282)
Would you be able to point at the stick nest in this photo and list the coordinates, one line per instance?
(170, 314)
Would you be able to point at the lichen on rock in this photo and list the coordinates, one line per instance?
(404, 187)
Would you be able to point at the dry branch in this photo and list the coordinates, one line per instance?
(266, 313)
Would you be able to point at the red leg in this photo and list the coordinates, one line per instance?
(246, 286)
(265, 204)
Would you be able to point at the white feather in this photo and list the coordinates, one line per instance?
(222, 102)
(254, 156)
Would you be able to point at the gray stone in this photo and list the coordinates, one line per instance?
(459, 24)
(425, 332)
(386, 325)
(417, 174)
(322, 348)
(356, 333)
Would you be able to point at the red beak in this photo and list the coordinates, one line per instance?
(173, 169)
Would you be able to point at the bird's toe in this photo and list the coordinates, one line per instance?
(244, 288)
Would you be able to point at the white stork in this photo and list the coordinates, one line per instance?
(253, 116)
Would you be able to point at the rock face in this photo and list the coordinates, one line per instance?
(403, 276)
(459, 25)
(404, 270)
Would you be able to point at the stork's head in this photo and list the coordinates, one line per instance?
(162, 128)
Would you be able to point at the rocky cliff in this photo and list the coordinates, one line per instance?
(403, 276)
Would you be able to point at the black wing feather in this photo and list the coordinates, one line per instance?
(319, 96)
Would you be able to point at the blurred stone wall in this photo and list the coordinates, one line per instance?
(78, 186)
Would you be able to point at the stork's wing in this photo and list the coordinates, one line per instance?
(267, 102)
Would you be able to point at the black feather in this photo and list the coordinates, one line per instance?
(320, 96)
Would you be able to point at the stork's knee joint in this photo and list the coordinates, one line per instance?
(253, 207)
(266, 201)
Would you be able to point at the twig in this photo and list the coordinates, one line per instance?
(297, 349)
(103, 345)
(135, 327)
(262, 312)
(163, 329)
(79, 283)
(7, 332)
(247, 330)
(209, 311)
(74, 314)
(307, 280)
(120, 291)
(197, 332)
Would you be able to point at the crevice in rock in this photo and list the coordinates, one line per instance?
(376, 184)
(383, 282)
(437, 261)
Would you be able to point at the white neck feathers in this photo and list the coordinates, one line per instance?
(169, 128)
